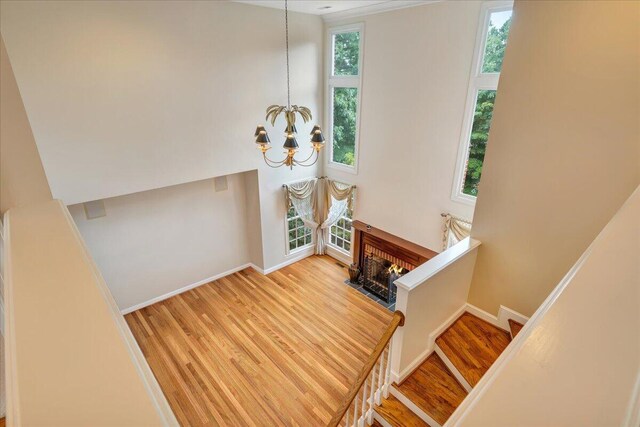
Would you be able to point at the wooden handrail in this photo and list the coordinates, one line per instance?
(396, 321)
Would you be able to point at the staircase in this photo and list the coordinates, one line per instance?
(429, 395)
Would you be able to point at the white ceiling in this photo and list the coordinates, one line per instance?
(326, 7)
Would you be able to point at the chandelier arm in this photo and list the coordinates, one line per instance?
(297, 163)
(307, 159)
(273, 163)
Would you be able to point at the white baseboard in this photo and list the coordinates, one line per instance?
(452, 368)
(340, 256)
(256, 268)
(381, 420)
(431, 344)
(184, 289)
(295, 257)
(413, 407)
(505, 313)
(502, 320)
(298, 256)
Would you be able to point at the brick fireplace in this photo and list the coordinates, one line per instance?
(382, 258)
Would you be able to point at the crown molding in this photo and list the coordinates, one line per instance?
(374, 8)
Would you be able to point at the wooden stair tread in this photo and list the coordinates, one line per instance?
(515, 327)
(398, 415)
(472, 345)
(376, 423)
(434, 389)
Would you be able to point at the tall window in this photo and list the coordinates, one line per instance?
(490, 47)
(298, 236)
(340, 232)
(343, 93)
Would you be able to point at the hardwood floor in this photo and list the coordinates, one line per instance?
(472, 345)
(434, 389)
(259, 350)
(515, 327)
(398, 415)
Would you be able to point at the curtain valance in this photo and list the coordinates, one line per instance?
(454, 229)
(320, 203)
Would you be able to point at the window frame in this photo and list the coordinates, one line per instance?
(477, 81)
(288, 250)
(342, 82)
(328, 236)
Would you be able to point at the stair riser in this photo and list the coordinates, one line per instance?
(413, 407)
(456, 373)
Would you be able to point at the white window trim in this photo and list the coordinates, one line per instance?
(342, 81)
(477, 81)
(336, 247)
(289, 251)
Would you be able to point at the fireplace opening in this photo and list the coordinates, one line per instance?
(379, 275)
(379, 259)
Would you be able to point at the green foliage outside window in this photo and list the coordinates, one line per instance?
(492, 63)
(496, 43)
(344, 125)
(346, 48)
(346, 54)
(478, 141)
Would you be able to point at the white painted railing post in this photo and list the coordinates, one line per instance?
(380, 381)
(388, 374)
(372, 384)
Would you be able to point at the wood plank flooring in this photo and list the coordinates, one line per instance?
(472, 345)
(398, 415)
(515, 327)
(434, 389)
(259, 350)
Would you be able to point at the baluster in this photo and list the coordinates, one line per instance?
(372, 387)
(363, 409)
(380, 380)
(387, 381)
(355, 411)
(346, 419)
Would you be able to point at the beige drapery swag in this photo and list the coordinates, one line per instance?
(454, 229)
(320, 204)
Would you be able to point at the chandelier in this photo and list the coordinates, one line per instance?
(289, 111)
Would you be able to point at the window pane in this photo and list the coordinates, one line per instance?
(307, 239)
(346, 47)
(344, 125)
(347, 246)
(499, 24)
(478, 141)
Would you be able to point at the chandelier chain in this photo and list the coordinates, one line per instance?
(286, 27)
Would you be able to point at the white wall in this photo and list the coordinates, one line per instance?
(416, 74)
(564, 149)
(128, 97)
(125, 97)
(22, 178)
(577, 360)
(155, 242)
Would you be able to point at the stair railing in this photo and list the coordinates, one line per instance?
(371, 385)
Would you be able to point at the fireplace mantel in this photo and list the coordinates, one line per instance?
(405, 250)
